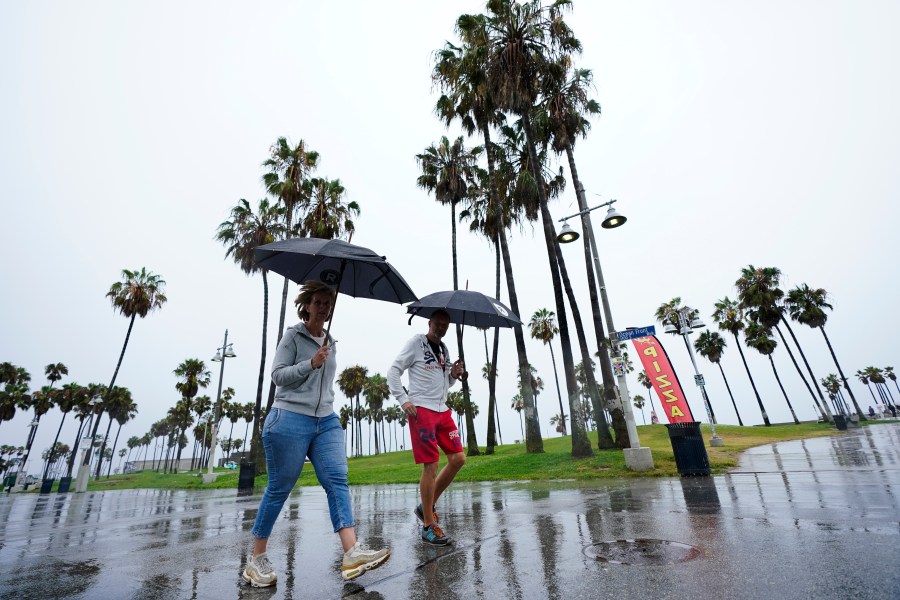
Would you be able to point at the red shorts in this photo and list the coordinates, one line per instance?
(430, 430)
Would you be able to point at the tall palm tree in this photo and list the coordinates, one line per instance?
(118, 403)
(517, 405)
(138, 294)
(761, 297)
(639, 403)
(351, 382)
(65, 402)
(15, 390)
(241, 234)
(644, 380)
(564, 115)
(513, 40)
(889, 373)
(41, 401)
(376, 392)
(807, 306)
(461, 73)
(122, 412)
(543, 327)
(449, 171)
(711, 345)
(832, 385)
(758, 337)
(728, 317)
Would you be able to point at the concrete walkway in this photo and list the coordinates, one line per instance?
(815, 518)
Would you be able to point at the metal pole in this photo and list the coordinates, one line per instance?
(624, 396)
(212, 441)
(685, 330)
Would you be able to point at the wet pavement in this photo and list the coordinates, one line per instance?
(817, 518)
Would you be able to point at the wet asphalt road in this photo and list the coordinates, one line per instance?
(817, 518)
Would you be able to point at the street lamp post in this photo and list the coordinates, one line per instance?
(636, 457)
(686, 324)
(221, 354)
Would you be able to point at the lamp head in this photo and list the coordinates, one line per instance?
(567, 234)
(696, 323)
(217, 357)
(613, 219)
(229, 353)
(669, 328)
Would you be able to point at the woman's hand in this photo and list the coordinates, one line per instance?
(320, 357)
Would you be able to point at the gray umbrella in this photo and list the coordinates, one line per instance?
(466, 307)
(353, 270)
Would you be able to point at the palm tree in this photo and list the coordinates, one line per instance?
(639, 402)
(351, 382)
(760, 295)
(757, 337)
(65, 402)
(543, 327)
(728, 317)
(644, 380)
(807, 306)
(517, 405)
(710, 345)
(15, 390)
(138, 294)
(41, 401)
(376, 392)
(192, 375)
(832, 385)
(559, 423)
(123, 411)
(564, 114)
(889, 373)
(460, 72)
(448, 171)
(118, 404)
(241, 234)
(328, 216)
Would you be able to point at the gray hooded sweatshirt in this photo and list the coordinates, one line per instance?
(299, 387)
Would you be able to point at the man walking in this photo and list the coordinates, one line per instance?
(431, 424)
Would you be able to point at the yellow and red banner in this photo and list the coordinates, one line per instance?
(662, 375)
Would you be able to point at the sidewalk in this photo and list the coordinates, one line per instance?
(814, 518)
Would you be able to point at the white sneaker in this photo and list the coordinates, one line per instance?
(359, 559)
(259, 571)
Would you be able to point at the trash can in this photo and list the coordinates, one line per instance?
(246, 476)
(840, 421)
(690, 452)
(46, 485)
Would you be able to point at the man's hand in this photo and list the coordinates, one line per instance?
(458, 371)
(409, 408)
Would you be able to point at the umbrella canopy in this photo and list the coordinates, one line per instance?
(466, 307)
(353, 270)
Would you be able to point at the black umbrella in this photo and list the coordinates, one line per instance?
(466, 307)
(351, 269)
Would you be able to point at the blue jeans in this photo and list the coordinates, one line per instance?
(289, 438)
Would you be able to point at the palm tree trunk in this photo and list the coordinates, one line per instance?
(762, 409)
(581, 446)
(533, 441)
(606, 375)
(115, 443)
(108, 392)
(859, 411)
(103, 448)
(799, 372)
(255, 445)
(809, 370)
(53, 447)
(492, 375)
(730, 395)
(784, 393)
(558, 392)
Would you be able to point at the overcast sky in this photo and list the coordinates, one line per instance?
(737, 133)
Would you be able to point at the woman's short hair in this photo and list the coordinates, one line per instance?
(307, 290)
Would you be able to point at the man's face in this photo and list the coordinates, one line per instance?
(437, 326)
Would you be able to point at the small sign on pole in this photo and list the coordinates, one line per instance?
(618, 365)
(698, 379)
(633, 332)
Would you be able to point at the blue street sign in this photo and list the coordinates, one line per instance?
(637, 332)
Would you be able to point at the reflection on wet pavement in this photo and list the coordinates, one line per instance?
(810, 518)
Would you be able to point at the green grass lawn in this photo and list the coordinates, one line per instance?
(509, 462)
